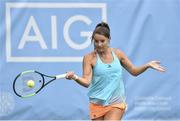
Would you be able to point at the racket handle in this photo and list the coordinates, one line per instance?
(61, 76)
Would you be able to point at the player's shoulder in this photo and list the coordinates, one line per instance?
(118, 52)
(90, 56)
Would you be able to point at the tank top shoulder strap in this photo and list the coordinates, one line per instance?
(114, 55)
(97, 58)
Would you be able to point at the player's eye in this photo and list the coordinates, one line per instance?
(102, 41)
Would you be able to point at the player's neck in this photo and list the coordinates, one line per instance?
(105, 52)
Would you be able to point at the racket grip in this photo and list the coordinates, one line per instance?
(61, 76)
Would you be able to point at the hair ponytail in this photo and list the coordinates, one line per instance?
(103, 24)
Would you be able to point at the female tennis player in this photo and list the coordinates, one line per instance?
(102, 74)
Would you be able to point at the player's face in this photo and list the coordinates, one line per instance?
(101, 43)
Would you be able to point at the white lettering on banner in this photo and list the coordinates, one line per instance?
(20, 40)
(54, 31)
(35, 38)
(67, 38)
(38, 36)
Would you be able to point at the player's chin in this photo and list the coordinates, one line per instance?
(100, 50)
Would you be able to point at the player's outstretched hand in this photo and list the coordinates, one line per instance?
(156, 65)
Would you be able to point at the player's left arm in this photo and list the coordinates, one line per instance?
(132, 69)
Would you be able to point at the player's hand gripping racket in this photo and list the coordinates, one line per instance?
(29, 83)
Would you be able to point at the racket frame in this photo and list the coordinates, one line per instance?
(43, 81)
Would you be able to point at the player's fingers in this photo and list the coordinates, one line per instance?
(69, 75)
(162, 68)
(158, 62)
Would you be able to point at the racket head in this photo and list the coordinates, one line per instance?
(20, 84)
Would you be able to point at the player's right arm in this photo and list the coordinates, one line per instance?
(87, 72)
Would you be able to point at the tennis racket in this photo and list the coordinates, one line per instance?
(31, 82)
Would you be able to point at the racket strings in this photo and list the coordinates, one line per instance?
(21, 85)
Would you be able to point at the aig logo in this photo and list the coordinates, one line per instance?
(50, 32)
